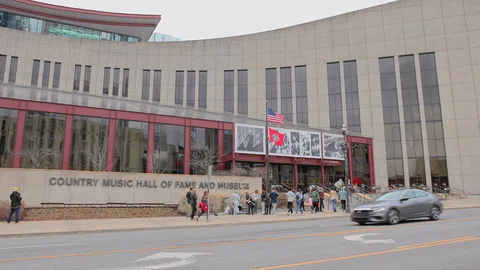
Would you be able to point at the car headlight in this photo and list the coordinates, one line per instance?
(377, 209)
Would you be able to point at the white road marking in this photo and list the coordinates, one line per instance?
(184, 259)
(329, 225)
(359, 238)
(37, 246)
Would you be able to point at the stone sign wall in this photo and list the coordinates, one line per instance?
(52, 186)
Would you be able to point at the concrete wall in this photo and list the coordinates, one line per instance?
(50, 186)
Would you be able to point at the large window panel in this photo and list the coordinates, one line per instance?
(169, 149)
(116, 81)
(157, 84)
(393, 142)
(286, 93)
(202, 89)
(434, 122)
(271, 86)
(413, 129)
(35, 72)
(146, 85)
(352, 97)
(228, 91)
(8, 129)
(227, 142)
(89, 144)
(3, 66)
(125, 78)
(191, 89)
(203, 149)
(12, 75)
(76, 77)
(46, 74)
(57, 69)
(43, 140)
(335, 96)
(106, 81)
(131, 144)
(242, 92)
(86, 79)
(179, 77)
(301, 94)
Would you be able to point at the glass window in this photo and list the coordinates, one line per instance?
(126, 74)
(43, 140)
(352, 97)
(227, 142)
(228, 91)
(86, 79)
(46, 74)
(76, 77)
(106, 81)
(301, 94)
(271, 86)
(203, 149)
(3, 64)
(146, 85)
(12, 76)
(242, 92)
(335, 96)
(286, 93)
(191, 89)
(179, 87)
(57, 68)
(202, 89)
(116, 81)
(131, 144)
(89, 144)
(8, 120)
(157, 84)
(169, 151)
(35, 72)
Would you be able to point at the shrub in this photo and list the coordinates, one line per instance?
(216, 202)
(5, 210)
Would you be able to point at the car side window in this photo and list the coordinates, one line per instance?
(409, 194)
(420, 194)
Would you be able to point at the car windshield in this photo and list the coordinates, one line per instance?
(387, 196)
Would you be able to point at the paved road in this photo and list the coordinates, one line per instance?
(451, 243)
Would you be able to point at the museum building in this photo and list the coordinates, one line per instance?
(81, 86)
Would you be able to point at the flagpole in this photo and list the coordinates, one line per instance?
(267, 150)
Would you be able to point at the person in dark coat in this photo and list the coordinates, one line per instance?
(16, 202)
(193, 203)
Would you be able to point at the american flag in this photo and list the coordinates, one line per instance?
(275, 117)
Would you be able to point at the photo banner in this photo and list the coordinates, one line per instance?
(250, 139)
(332, 146)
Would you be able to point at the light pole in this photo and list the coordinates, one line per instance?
(345, 163)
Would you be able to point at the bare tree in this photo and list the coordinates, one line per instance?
(95, 150)
(39, 152)
(159, 162)
(200, 159)
(252, 172)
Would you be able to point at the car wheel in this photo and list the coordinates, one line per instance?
(362, 223)
(393, 217)
(434, 213)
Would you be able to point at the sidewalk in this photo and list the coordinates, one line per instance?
(33, 228)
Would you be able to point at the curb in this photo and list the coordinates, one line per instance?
(204, 225)
(201, 225)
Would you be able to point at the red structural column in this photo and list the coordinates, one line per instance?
(295, 173)
(112, 128)
(17, 150)
(220, 166)
(323, 175)
(151, 145)
(371, 163)
(350, 162)
(186, 161)
(67, 142)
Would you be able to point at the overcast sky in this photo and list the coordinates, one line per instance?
(202, 19)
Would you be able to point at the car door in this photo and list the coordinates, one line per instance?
(407, 207)
(424, 202)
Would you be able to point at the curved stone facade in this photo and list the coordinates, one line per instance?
(410, 33)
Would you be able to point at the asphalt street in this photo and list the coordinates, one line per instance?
(450, 243)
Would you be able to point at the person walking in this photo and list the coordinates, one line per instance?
(256, 198)
(189, 200)
(193, 203)
(274, 196)
(322, 197)
(299, 199)
(16, 202)
(343, 198)
(203, 205)
(315, 198)
(236, 203)
(264, 199)
(334, 198)
(268, 205)
(290, 198)
(305, 199)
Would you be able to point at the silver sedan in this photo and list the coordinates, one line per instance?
(394, 206)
